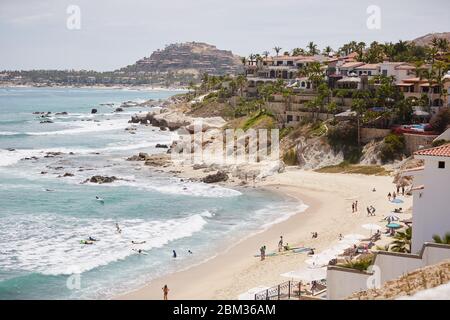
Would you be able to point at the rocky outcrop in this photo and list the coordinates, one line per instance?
(157, 160)
(101, 179)
(118, 110)
(139, 157)
(93, 111)
(219, 176)
(190, 57)
(162, 146)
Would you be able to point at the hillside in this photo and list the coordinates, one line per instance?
(426, 39)
(188, 58)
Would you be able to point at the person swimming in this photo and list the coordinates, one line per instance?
(139, 251)
(138, 242)
(92, 239)
(190, 252)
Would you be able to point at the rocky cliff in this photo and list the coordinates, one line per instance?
(189, 58)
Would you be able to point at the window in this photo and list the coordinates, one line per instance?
(369, 73)
(441, 165)
(289, 118)
(384, 72)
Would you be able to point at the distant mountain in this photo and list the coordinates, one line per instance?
(193, 58)
(426, 39)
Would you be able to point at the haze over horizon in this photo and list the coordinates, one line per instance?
(113, 34)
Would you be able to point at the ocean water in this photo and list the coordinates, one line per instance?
(43, 215)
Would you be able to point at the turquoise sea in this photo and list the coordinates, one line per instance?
(43, 215)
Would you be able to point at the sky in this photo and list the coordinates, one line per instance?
(116, 33)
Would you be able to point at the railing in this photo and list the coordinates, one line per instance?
(283, 291)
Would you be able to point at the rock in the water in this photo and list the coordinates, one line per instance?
(64, 113)
(67, 174)
(102, 179)
(216, 177)
(118, 110)
(94, 111)
(142, 156)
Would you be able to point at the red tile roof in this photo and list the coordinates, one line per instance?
(441, 151)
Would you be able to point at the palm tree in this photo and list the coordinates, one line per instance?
(298, 52)
(244, 61)
(251, 58)
(443, 44)
(418, 65)
(327, 50)
(402, 242)
(444, 240)
(312, 48)
(240, 82)
(277, 50)
(432, 53)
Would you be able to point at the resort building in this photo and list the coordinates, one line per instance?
(431, 216)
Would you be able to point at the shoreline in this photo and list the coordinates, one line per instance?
(236, 270)
(233, 249)
(96, 87)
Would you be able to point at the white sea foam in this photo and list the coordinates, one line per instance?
(8, 133)
(86, 127)
(50, 244)
(176, 187)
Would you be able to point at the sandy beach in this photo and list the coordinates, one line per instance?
(329, 197)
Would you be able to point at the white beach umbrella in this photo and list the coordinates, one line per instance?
(307, 275)
(391, 217)
(319, 260)
(250, 294)
(353, 236)
(372, 227)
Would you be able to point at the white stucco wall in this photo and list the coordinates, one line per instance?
(343, 283)
(431, 209)
(392, 267)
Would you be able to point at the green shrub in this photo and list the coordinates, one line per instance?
(440, 142)
(361, 264)
(344, 137)
(290, 157)
(393, 148)
(441, 120)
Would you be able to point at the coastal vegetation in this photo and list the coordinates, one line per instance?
(346, 167)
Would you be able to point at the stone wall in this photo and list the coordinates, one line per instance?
(415, 142)
(369, 134)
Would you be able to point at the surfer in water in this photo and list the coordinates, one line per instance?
(138, 242)
(99, 199)
(92, 239)
(139, 251)
(118, 228)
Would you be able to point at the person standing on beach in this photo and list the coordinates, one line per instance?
(174, 253)
(356, 206)
(389, 196)
(165, 290)
(263, 252)
(280, 244)
(403, 190)
(353, 207)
